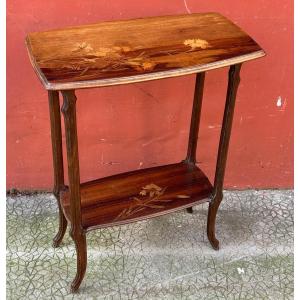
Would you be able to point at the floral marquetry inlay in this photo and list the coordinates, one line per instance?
(127, 51)
(150, 196)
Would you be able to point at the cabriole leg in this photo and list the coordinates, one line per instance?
(233, 83)
(211, 220)
(58, 166)
(79, 238)
(77, 232)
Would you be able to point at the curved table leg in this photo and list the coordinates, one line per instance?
(217, 196)
(79, 239)
(77, 232)
(211, 221)
(62, 227)
(58, 166)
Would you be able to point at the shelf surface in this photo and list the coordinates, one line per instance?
(118, 52)
(139, 195)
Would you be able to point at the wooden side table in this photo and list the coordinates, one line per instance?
(119, 52)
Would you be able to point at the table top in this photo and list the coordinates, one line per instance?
(119, 52)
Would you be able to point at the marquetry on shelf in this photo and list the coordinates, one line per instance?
(129, 197)
(130, 51)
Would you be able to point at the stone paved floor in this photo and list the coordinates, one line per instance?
(162, 258)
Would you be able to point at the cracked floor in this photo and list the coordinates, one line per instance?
(167, 257)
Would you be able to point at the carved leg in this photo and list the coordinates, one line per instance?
(211, 221)
(57, 161)
(194, 127)
(76, 232)
(79, 239)
(233, 83)
(62, 226)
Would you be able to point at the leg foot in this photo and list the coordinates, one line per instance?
(62, 228)
(80, 243)
(189, 210)
(211, 221)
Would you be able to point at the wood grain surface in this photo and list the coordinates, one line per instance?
(118, 52)
(140, 194)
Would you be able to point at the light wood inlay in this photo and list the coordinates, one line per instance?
(107, 201)
(119, 52)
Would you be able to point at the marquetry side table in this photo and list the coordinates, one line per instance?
(122, 52)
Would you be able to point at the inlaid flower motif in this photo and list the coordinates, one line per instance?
(196, 43)
(150, 196)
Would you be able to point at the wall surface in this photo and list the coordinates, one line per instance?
(146, 124)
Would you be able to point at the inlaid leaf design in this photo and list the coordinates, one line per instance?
(86, 57)
(150, 196)
(197, 43)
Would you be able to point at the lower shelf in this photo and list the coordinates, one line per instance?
(139, 195)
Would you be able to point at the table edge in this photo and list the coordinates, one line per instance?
(35, 66)
(147, 77)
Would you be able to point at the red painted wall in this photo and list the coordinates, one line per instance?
(146, 124)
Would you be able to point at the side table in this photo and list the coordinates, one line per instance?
(122, 52)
